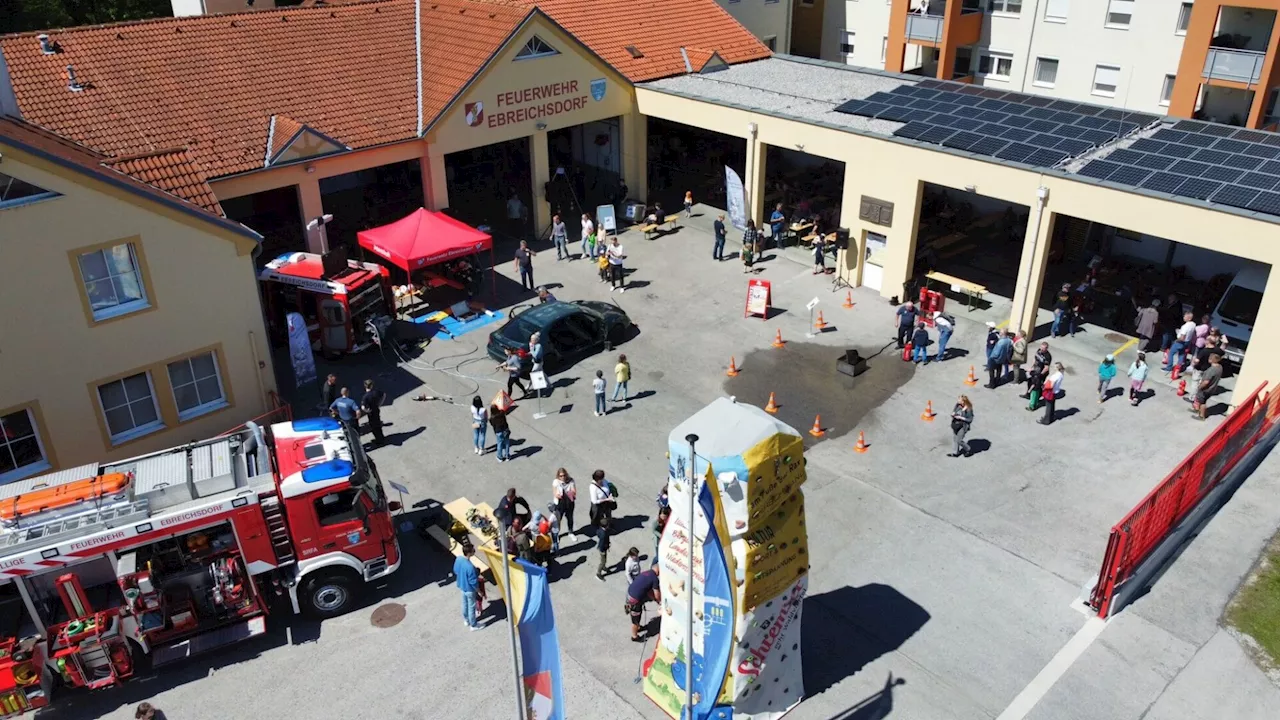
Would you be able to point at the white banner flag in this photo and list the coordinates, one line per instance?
(304, 364)
(737, 200)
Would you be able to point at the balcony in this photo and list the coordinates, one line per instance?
(925, 28)
(1241, 66)
(966, 25)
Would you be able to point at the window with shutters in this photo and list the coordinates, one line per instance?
(1056, 10)
(1119, 14)
(1166, 90)
(1106, 79)
(1046, 72)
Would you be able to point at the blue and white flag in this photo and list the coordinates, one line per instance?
(304, 363)
(539, 647)
(736, 198)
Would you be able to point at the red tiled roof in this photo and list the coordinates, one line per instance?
(211, 83)
(282, 130)
(172, 171)
(658, 29)
(42, 142)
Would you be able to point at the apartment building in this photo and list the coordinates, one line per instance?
(768, 20)
(1209, 59)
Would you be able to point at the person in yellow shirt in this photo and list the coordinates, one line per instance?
(622, 375)
(603, 264)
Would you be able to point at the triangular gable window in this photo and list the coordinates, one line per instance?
(15, 192)
(290, 141)
(536, 48)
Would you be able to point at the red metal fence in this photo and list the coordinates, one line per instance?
(281, 413)
(1151, 521)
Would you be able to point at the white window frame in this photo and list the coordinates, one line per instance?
(884, 48)
(1064, 7)
(995, 56)
(1120, 7)
(1166, 89)
(848, 38)
(29, 469)
(202, 408)
(7, 180)
(138, 430)
(1105, 93)
(118, 309)
(1035, 77)
(1001, 7)
(1184, 19)
(548, 52)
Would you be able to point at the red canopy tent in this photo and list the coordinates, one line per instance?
(424, 238)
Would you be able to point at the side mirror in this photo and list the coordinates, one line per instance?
(394, 506)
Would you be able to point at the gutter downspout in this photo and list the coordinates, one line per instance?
(1024, 274)
(417, 56)
(1027, 69)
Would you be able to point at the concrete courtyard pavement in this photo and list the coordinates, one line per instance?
(953, 577)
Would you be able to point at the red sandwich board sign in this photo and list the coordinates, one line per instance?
(759, 298)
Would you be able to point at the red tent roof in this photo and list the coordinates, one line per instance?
(424, 238)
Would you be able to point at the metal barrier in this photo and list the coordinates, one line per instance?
(1152, 520)
(281, 413)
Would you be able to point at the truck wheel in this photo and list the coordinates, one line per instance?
(327, 595)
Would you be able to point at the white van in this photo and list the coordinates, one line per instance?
(1238, 309)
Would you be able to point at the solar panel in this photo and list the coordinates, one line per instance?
(1063, 105)
(1172, 136)
(1046, 158)
(1225, 174)
(1099, 169)
(1163, 182)
(1266, 202)
(1197, 188)
(1211, 156)
(1188, 126)
(872, 109)
(1155, 162)
(1235, 196)
(1129, 175)
(1242, 162)
(1016, 152)
(930, 83)
(1179, 151)
(1271, 167)
(988, 145)
(965, 123)
(992, 116)
(1266, 152)
(969, 89)
(851, 107)
(1147, 145)
(880, 97)
(1251, 136)
(1037, 101)
(1018, 120)
(1043, 140)
(1199, 140)
(990, 128)
(1258, 180)
(1018, 134)
(1040, 113)
(1272, 139)
(962, 140)
(1231, 146)
(896, 114)
(1089, 110)
(1017, 97)
(965, 100)
(924, 104)
(909, 90)
(1043, 125)
(912, 130)
(1074, 147)
(950, 121)
(1218, 131)
(997, 105)
(969, 111)
(1190, 167)
(1070, 131)
(937, 134)
(1098, 137)
(1124, 156)
(992, 93)
(1093, 123)
(946, 107)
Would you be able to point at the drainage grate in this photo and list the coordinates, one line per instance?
(1116, 338)
(387, 615)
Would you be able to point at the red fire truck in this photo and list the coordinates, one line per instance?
(110, 568)
(337, 297)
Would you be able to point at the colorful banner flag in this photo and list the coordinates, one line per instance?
(304, 363)
(539, 647)
(736, 198)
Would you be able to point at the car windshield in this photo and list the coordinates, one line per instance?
(519, 330)
(1240, 305)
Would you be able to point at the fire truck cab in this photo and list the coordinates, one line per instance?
(109, 567)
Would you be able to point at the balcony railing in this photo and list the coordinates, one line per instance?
(1244, 66)
(929, 28)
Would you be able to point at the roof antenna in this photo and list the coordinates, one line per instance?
(72, 83)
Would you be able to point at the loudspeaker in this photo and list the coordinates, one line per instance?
(842, 238)
(334, 262)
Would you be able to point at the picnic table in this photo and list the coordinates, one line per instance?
(458, 510)
(970, 289)
(652, 228)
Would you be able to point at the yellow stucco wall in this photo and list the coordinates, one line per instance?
(202, 291)
(895, 171)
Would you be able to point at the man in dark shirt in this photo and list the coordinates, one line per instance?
(1209, 380)
(329, 391)
(524, 263)
(644, 588)
(371, 404)
(508, 509)
(906, 317)
(717, 252)
(1062, 311)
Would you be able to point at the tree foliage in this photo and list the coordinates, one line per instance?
(27, 15)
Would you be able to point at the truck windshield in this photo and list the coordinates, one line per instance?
(1240, 305)
(365, 476)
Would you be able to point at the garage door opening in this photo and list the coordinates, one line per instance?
(685, 158)
(369, 198)
(586, 168)
(276, 215)
(481, 182)
(969, 247)
(808, 187)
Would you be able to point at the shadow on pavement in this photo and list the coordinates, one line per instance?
(875, 707)
(847, 628)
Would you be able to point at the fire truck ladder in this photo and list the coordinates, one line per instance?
(63, 528)
(274, 514)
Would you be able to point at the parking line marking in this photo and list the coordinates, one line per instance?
(1126, 346)
(1002, 324)
(1042, 683)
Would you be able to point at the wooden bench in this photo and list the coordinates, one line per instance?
(673, 220)
(457, 510)
(971, 290)
(648, 229)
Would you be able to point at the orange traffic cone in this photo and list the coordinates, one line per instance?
(821, 323)
(928, 414)
(1182, 388)
(772, 407)
(817, 430)
(861, 445)
(777, 340)
(972, 379)
(848, 300)
(733, 368)
(503, 401)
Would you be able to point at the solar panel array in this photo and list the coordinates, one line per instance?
(1202, 161)
(1029, 129)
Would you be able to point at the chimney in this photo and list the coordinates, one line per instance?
(46, 46)
(72, 84)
